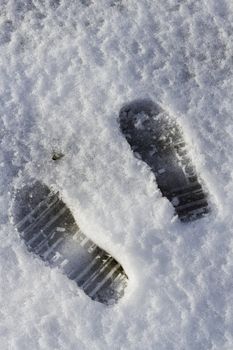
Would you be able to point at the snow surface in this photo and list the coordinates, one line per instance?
(66, 69)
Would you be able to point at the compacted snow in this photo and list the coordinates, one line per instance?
(66, 70)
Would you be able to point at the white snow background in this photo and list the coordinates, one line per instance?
(66, 69)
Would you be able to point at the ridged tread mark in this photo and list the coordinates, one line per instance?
(81, 276)
(107, 277)
(40, 209)
(87, 284)
(158, 140)
(47, 225)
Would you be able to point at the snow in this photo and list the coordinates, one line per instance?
(66, 70)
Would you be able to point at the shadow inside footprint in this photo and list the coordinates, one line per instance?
(49, 230)
(157, 139)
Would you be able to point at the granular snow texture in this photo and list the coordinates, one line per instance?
(66, 70)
